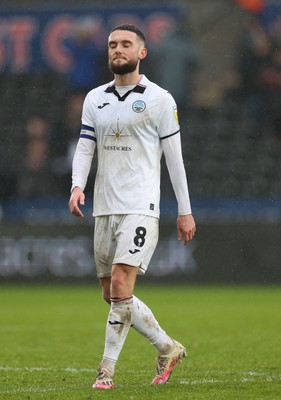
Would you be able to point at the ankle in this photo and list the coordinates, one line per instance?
(108, 365)
(165, 349)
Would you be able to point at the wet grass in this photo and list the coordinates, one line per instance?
(52, 341)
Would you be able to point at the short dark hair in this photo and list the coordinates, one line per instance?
(131, 28)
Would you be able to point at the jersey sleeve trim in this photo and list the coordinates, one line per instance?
(83, 135)
(87, 132)
(172, 134)
(88, 128)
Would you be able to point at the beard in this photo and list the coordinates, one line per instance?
(124, 69)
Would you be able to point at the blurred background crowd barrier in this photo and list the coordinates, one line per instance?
(221, 60)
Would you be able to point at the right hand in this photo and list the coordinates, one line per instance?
(186, 228)
(77, 197)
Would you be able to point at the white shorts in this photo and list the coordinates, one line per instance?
(124, 239)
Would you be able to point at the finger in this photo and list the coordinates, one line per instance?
(188, 237)
(191, 235)
(75, 210)
(78, 212)
(179, 234)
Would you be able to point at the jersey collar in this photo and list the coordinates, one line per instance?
(136, 89)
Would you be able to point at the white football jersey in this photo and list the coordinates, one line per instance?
(128, 130)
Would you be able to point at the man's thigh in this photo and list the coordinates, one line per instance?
(137, 237)
(104, 245)
(124, 239)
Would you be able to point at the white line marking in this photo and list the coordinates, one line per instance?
(31, 369)
(265, 376)
(244, 377)
(92, 370)
(38, 390)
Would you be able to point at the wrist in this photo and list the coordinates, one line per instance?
(75, 188)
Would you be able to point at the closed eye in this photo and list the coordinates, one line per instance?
(124, 43)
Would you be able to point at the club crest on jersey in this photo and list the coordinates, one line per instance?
(139, 106)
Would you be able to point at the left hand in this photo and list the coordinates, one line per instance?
(186, 227)
(77, 198)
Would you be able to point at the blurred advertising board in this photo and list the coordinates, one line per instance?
(222, 252)
(67, 252)
(35, 39)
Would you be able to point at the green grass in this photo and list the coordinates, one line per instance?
(52, 341)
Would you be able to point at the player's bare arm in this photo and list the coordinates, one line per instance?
(77, 198)
(186, 228)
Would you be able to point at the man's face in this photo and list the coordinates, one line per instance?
(125, 50)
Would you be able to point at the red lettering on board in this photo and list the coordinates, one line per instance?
(52, 45)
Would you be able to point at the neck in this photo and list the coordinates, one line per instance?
(127, 79)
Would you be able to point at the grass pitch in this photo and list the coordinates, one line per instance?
(51, 341)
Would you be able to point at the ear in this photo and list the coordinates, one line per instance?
(142, 53)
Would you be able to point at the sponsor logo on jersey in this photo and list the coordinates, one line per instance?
(118, 148)
(103, 105)
(118, 136)
(134, 251)
(117, 133)
(139, 106)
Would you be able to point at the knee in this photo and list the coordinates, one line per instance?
(117, 283)
(122, 280)
(121, 283)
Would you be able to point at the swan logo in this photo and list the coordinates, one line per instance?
(139, 106)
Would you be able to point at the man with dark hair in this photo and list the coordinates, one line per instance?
(130, 28)
(131, 121)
